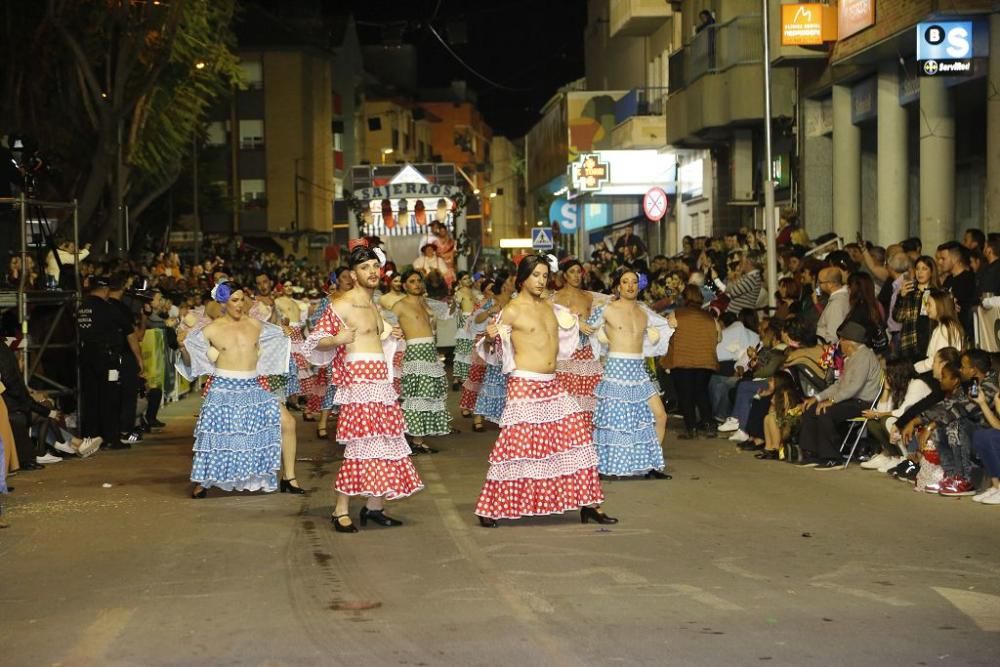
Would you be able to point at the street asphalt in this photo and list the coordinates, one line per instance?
(734, 561)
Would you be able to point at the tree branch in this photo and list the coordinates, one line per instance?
(153, 195)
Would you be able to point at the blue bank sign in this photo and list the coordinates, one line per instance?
(945, 47)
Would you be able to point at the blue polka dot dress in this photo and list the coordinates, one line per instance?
(237, 438)
(624, 426)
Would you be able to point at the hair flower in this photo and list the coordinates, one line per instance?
(643, 281)
(221, 292)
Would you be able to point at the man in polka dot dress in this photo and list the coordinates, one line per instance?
(424, 382)
(630, 421)
(544, 460)
(353, 336)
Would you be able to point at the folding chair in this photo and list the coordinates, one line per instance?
(861, 423)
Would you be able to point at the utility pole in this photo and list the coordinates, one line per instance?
(769, 226)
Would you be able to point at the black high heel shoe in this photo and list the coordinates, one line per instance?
(379, 517)
(596, 515)
(486, 522)
(657, 474)
(199, 494)
(349, 527)
(285, 486)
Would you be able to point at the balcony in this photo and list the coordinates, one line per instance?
(640, 120)
(717, 82)
(637, 18)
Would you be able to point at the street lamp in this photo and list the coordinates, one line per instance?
(386, 152)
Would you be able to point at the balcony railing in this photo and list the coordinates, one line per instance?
(738, 41)
(640, 102)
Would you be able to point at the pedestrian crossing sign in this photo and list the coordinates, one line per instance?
(541, 238)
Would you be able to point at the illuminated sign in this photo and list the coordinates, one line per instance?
(589, 173)
(853, 16)
(809, 24)
(944, 40)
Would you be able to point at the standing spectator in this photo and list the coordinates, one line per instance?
(691, 361)
(988, 277)
(837, 307)
(743, 280)
(974, 239)
(910, 309)
(900, 271)
(857, 388)
(865, 310)
(947, 332)
(956, 277)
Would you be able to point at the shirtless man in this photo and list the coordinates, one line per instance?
(376, 460)
(395, 293)
(466, 300)
(424, 383)
(629, 421)
(581, 372)
(544, 460)
(343, 283)
(235, 351)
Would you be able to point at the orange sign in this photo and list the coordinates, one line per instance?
(809, 24)
(855, 16)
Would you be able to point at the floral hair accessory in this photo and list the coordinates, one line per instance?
(552, 262)
(222, 292)
(381, 256)
(643, 281)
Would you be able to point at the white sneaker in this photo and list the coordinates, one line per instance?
(89, 446)
(739, 436)
(731, 424)
(65, 448)
(980, 497)
(48, 458)
(889, 463)
(992, 499)
(875, 462)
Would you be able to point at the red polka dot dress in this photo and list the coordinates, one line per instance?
(580, 375)
(544, 461)
(377, 457)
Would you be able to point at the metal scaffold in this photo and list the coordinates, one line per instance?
(46, 317)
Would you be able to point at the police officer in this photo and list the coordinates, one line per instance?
(103, 330)
(131, 367)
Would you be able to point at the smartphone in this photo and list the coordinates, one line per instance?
(819, 291)
(974, 389)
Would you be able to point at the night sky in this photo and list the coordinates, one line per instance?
(531, 46)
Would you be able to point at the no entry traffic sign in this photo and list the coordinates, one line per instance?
(655, 204)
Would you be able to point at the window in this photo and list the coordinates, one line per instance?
(215, 134)
(395, 140)
(253, 74)
(253, 192)
(251, 134)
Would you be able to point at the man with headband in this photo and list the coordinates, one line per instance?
(581, 372)
(237, 444)
(544, 460)
(424, 383)
(353, 336)
(629, 421)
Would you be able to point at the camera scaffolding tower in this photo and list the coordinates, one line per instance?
(62, 304)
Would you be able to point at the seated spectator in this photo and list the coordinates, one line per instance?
(763, 365)
(739, 334)
(859, 385)
(903, 389)
(778, 411)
